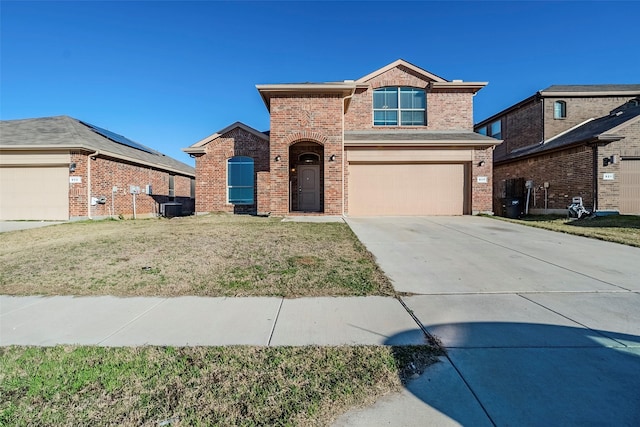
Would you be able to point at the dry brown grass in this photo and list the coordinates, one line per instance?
(211, 255)
(623, 229)
(227, 386)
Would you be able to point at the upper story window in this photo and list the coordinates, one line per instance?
(559, 110)
(403, 106)
(493, 129)
(240, 180)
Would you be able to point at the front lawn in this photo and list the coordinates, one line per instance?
(210, 255)
(624, 229)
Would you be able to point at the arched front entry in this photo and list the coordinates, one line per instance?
(306, 177)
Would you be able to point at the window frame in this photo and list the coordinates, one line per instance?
(398, 109)
(240, 201)
(488, 129)
(563, 110)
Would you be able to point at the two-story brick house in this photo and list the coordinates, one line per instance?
(398, 141)
(569, 141)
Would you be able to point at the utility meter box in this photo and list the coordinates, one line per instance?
(148, 190)
(134, 189)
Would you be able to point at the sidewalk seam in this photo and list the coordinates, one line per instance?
(132, 320)
(275, 320)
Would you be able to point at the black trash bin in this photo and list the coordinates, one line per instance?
(512, 207)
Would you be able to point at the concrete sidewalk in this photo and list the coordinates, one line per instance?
(192, 321)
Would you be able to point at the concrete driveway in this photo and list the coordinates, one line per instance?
(541, 328)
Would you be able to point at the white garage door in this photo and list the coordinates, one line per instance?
(34, 193)
(630, 186)
(407, 189)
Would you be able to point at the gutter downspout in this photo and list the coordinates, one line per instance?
(595, 178)
(344, 98)
(89, 182)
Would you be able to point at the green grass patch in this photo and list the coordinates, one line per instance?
(249, 386)
(624, 229)
(211, 255)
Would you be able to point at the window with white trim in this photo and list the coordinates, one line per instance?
(559, 110)
(240, 180)
(399, 106)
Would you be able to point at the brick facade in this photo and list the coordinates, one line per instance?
(311, 119)
(575, 171)
(211, 170)
(314, 120)
(106, 173)
(564, 181)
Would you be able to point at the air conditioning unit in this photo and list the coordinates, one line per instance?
(170, 210)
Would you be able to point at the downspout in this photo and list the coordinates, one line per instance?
(89, 182)
(344, 98)
(595, 178)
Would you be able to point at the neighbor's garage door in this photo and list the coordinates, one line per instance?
(630, 186)
(406, 189)
(34, 193)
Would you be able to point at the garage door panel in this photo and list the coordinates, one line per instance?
(406, 189)
(34, 193)
(630, 186)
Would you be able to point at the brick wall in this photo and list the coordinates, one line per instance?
(211, 170)
(569, 174)
(578, 110)
(521, 128)
(446, 109)
(306, 118)
(107, 173)
(482, 193)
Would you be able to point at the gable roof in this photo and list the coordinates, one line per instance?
(198, 147)
(397, 63)
(67, 133)
(602, 129)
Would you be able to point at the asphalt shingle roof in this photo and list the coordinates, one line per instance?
(67, 132)
(594, 88)
(589, 131)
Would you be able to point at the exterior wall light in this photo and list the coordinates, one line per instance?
(277, 159)
(332, 158)
(481, 163)
(72, 167)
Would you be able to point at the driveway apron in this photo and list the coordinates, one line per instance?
(542, 328)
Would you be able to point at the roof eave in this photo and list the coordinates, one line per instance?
(552, 94)
(99, 153)
(429, 144)
(267, 91)
(466, 86)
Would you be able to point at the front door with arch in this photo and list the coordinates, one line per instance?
(309, 188)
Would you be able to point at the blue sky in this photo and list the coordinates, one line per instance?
(167, 74)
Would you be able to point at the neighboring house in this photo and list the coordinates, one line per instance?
(569, 141)
(59, 168)
(398, 141)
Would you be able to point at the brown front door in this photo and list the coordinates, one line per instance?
(309, 188)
